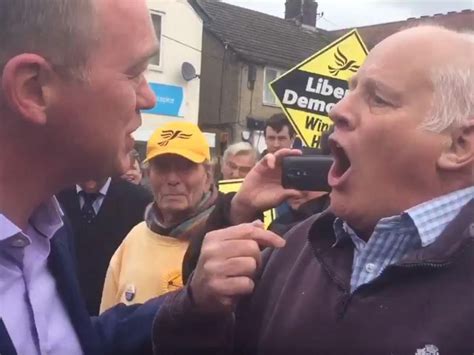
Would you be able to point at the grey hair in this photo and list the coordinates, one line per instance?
(453, 98)
(240, 148)
(61, 31)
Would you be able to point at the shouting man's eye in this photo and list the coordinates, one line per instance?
(377, 100)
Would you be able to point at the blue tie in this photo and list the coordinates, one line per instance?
(87, 211)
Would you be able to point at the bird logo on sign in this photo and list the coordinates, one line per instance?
(169, 135)
(343, 64)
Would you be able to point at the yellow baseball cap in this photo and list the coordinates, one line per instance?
(181, 138)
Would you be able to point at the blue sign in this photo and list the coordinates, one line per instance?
(169, 99)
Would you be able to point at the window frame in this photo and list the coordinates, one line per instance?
(161, 14)
(266, 87)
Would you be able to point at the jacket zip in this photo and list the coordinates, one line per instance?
(346, 293)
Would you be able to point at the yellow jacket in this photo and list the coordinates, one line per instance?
(146, 265)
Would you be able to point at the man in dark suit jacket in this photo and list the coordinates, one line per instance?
(117, 207)
(121, 330)
(72, 89)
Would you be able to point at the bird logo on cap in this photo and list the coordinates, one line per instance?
(169, 135)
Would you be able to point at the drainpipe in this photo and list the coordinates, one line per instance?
(226, 46)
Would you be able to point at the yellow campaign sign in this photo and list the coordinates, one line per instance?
(310, 90)
(226, 186)
(340, 60)
(268, 217)
(313, 126)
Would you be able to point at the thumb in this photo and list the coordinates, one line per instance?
(270, 160)
(258, 223)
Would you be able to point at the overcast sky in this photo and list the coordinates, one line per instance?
(352, 13)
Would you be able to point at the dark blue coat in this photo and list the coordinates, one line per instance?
(120, 330)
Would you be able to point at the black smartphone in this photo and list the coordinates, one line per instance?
(306, 172)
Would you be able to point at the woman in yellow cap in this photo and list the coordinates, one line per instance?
(149, 260)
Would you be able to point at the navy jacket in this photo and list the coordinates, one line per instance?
(120, 330)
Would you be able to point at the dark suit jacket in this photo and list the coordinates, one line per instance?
(120, 330)
(123, 208)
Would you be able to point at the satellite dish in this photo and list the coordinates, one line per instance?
(188, 71)
(245, 135)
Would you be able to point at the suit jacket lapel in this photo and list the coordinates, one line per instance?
(108, 204)
(71, 199)
(6, 345)
(63, 269)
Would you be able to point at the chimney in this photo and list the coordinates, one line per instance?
(303, 12)
(292, 9)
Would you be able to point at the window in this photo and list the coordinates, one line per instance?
(270, 74)
(157, 18)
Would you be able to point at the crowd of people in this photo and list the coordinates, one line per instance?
(103, 254)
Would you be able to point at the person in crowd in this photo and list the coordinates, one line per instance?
(148, 262)
(134, 174)
(278, 133)
(102, 212)
(384, 269)
(238, 160)
(72, 88)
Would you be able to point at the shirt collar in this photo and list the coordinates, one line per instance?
(432, 217)
(429, 218)
(47, 219)
(7, 228)
(102, 191)
(401, 223)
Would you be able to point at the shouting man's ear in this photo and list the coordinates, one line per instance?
(24, 83)
(460, 152)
